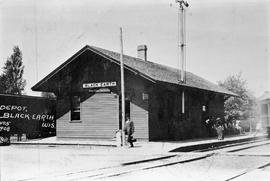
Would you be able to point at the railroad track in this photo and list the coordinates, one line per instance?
(173, 159)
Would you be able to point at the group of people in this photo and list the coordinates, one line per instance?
(218, 125)
(220, 129)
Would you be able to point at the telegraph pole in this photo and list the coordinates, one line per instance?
(36, 40)
(122, 89)
(182, 38)
(181, 46)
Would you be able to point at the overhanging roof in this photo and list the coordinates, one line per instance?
(146, 69)
(265, 96)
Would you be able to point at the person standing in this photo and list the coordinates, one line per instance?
(19, 135)
(129, 130)
(220, 129)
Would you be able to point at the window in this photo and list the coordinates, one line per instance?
(75, 108)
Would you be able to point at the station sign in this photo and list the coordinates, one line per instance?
(99, 84)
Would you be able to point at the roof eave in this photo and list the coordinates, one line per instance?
(60, 67)
(229, 93)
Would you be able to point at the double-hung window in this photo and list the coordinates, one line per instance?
(75, 108)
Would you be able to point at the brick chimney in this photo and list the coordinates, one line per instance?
(142, 52)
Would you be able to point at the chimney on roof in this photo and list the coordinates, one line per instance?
(142, 52)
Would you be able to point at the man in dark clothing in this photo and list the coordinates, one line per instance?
(129, 130)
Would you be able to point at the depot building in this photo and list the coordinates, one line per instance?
(88, 90)
(264, 107)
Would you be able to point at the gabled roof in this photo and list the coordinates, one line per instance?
(265, 96)
(149, 70)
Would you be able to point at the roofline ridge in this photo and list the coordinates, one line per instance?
(114, 57)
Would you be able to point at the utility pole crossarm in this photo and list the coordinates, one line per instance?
(181, 3)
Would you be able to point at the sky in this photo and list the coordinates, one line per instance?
(223, 37)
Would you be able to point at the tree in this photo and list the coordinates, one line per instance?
(241, 107)
(11, 80)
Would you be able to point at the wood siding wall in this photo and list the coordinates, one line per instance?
(135, 88)
(167, 121)
(216, 106)
(99, 118)
(140, 118)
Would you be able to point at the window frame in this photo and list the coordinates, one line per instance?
(75, 109)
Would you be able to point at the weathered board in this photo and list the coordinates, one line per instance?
(99, 118)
